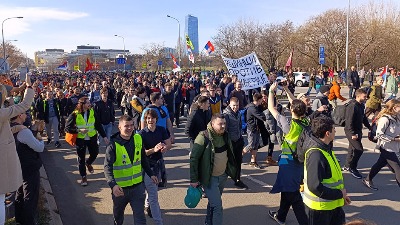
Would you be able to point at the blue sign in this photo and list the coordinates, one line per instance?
(159, 63)
(121, 61)
(321, 54)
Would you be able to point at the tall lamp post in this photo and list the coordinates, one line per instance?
(347, 36)
(2, 33)
(123, 40)
(179, 38)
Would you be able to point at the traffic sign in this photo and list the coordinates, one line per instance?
(121, 61)
(144, 65)
(321, 54)
(159, 63)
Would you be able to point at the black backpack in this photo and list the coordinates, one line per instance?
(339, 115)
(372, 133)
(300, 151)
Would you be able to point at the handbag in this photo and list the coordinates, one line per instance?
(71, 139)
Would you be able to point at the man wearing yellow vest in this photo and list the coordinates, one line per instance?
(123, 168)
(324, 192)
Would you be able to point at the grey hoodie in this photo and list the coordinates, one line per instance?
(388, 127)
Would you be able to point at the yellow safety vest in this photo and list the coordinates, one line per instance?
(290, 141)
(81, 124)
(335, 182)
(127, 173)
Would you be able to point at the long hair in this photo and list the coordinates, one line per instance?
(81, 103)
(3, 95)
(389, 109)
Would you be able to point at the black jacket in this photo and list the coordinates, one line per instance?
(355, 79)
(355, 118)
(318, 168)
(29, 159)
(43, 109)
(104, 111)
(111, 157)
(196, 122)
(253, 114)
(169, 99)
(63, 105)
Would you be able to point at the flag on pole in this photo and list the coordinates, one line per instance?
(89, 66)
(384, 76)
(209, 48)
(190, 54)
(176, 66)
(189, 42)
(289, 62)
(63, 66)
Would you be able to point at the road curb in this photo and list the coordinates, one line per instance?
(51, 204)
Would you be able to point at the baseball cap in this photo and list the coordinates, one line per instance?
(193, 196)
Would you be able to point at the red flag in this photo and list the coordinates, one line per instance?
(289, 61)
(89, 66)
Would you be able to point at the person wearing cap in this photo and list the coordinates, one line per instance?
(322, 99)
(211, 162)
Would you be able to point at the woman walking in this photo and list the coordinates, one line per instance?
(388, 134)
(83, 122)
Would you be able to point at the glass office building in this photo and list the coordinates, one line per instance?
(192, 29)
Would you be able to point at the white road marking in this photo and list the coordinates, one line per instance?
(347, 144)
(257, 181)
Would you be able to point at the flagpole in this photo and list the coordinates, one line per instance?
(347, 36)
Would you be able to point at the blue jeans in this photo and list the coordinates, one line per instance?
(108, 129)
(214, 206)
(152, 198)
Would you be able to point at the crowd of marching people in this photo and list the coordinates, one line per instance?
(224, 122)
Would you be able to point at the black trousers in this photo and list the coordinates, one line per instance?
(176, 113)
(295, 200)
(27, 198)
(355, 151)
(237, 151)
(134, 196)
(93, 148)
(384, 159)
(61, 125)
(326, 217)
(265, 136)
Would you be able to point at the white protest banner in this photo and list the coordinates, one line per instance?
(248, 70)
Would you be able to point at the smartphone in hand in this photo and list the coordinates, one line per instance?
(22, 73)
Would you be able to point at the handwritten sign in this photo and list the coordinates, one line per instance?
(248, 70)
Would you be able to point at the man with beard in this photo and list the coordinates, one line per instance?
(73, 100)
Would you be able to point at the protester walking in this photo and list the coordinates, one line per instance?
(84, 123)
(388, 135)
(211, 162)
(355, 118)
(324, 191)
(124, 164)
(375, 98)
(155, 142)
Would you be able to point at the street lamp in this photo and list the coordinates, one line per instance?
(2, 33)
(179, 38)
(347, 36)
(123, 40)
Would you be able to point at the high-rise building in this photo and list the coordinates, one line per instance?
(192, 29)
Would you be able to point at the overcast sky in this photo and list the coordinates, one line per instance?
(66, 24)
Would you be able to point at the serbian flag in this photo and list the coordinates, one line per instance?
(63, 66)
(190, 54)
(384, 76)
(176, 66)
(289, 61)
(209, 48)
(89, 66)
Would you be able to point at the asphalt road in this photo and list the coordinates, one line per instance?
(93, 205)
